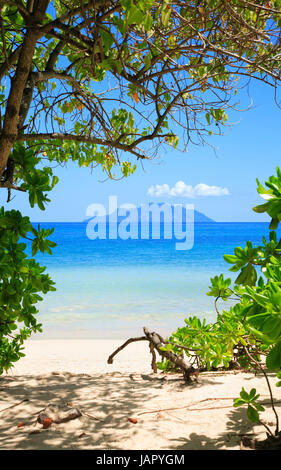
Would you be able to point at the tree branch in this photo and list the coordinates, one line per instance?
(80, 138)
(129, 341)
(157, 342)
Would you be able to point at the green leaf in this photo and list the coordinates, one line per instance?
(247, 276)
(259, 407)
(135, 16)
(107, 39)
(148, 21)
(252, 393)
(238, 402)
(273, 360)
(230, 258)
(165, 15)
(261, 208)
(244, 395)
(274, 223)
(252, 414)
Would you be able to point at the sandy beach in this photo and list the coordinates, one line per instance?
(197, 417)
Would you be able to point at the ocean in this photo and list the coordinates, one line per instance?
(113, 288)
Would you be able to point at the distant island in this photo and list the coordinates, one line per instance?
(200, 217)
(146, 212)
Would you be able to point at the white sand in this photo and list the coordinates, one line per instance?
(82, 356)
(200, 416)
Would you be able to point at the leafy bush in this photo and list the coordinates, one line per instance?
(22, 280)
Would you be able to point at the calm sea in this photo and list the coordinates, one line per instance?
(112, 288)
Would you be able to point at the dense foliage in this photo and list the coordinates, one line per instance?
(90, 81)
(106, 83)
(22, 282)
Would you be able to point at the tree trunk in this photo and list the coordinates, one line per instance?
(18, 82)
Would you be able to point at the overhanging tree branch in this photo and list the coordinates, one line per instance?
(80, 138)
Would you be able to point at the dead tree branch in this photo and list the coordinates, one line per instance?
(157, 342)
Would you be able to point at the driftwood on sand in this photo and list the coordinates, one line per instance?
(156, 342)
(58, 413)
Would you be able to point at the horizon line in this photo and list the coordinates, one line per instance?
(204, 222)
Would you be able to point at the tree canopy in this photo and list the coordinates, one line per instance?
(100, 80)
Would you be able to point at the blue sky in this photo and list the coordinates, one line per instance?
(250, 149)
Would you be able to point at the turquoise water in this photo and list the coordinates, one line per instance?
(112, 288)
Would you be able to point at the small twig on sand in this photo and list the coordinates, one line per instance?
(198, 409)
(186, 406)
(92, 417)
(13, 406)
(37, 412)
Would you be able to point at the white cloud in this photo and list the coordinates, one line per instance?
(180, 189)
